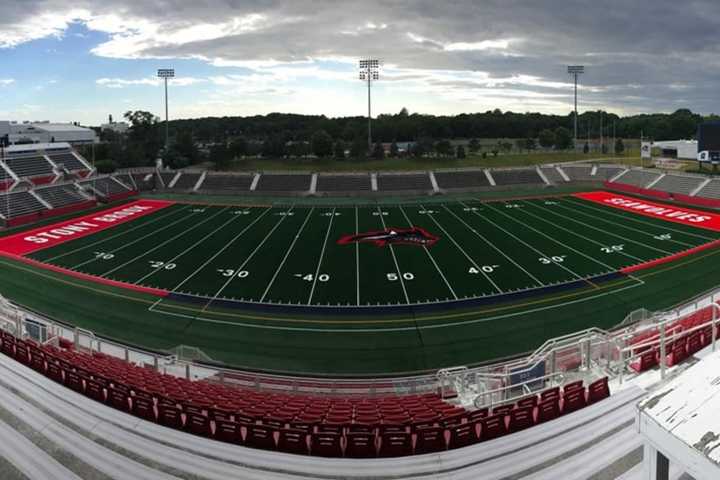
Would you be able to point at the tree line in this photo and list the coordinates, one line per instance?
(278, 135)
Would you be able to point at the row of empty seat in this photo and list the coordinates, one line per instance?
(638, 178)
(61, 195)
(18, 204)
(67, 160)
(31, 165)
(227, 183)
(105, 187)
(678, 184)
(357, 427)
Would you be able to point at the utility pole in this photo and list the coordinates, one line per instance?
(369, 71)
(575, 71)
(166, 73)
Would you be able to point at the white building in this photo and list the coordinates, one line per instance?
(117, 127)
(680, 149)
(46, 132)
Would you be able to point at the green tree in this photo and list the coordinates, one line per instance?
(394, 150)
(546, 138)
(619, 146)
(221, 156)
(339, 150)
(185, 147)
(586, 148)
(238, 147)
(378, 152)
(105, 166)
(563, 138)
(143, 138)
(443, 148)
(359, 148)
(530, 144)
(274, 147)
(474, 145)
(460, 152)
(321, 144)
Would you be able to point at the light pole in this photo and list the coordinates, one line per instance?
(166, 73)
(369, 71)
(575, 71)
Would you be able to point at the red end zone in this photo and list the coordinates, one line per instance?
(686, 216)
(15, 246)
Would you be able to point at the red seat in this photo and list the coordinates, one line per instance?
(527, 402)
(478, 414)
(694, 343)
(170, 416)
(464, 434)
(198, 424)
(647, 361)
(293, 441)
(144, 408)
(548, 410)
(502, 409)
(573, 401)
(228, 431)
(360, 445)
(395, 445)
(118, 399)
(259, 436)
(678, 353)
(598, 390)
(326, 444)
(74, 382)
(553, 392)
(576, 385)
(95, 391)
(521, 418)
(493, 427)
(430, 440)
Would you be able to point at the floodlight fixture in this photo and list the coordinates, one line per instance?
(369, 72)
(575, 71)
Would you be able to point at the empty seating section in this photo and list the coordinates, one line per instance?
(294, 423)
(227, 183)
(711, 190)
(126, 180)
(685, 339)
(343, 183)
(68, 160)
(105, 186)
(186, 181)
(284, 183)
(17, 204)
(61, 196)
(144, 181)
(29, 166)
(605, 174)
(552, 174)
(678, 184)
(167, 178)
(516, 177)
(4, 175)
(638, 178)
(462, 179)
(579, 173)
(410, 181)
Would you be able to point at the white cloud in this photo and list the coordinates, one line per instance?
(477, 46)
(6, 81)
(148, 81)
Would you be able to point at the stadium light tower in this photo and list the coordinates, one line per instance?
(575, 71)
(166, 73)
(369, 71)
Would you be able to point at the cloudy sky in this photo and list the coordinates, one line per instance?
(82, 60)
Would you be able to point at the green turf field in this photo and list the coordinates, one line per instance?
(289, 255)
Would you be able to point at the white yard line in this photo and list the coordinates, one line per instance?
(617, 224)
(492, 245)
(287, 254)
(219, 252)
(392, 252)
(417, 326)
(549, 210)
(592, 259)
(120, 234)
(357, 262)
(470, 259)
(587, 239)
(191, 247)
(322, 255)
(162, 244)
(639, 219)
(431, 257)
(252, 254)
(531, 247)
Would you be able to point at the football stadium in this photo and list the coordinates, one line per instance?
(261, 295)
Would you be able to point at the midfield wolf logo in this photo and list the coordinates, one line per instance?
(392, 236)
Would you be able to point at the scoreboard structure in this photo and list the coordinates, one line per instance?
(709, 142)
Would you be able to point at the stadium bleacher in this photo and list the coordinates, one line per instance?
(354, 427)
(167, 178)
(387, 182)
(67, 160)
(186, 181)
(579, 173)
(105, 186)
(29, 165)
(638, 178)
(606, 173)
(516, 177)
(462, 179)
(17, 204)
(284, 183)
(144, 181)
(678, 184)
(343, 183)
(226, 183)
(552, 174)
(711, 190)
(61, 195)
